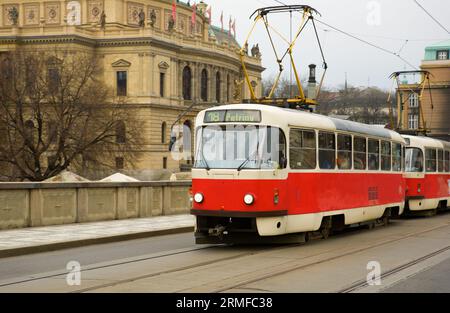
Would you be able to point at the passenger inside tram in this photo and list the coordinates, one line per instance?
(418, 166)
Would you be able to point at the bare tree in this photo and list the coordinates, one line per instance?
(56, 113)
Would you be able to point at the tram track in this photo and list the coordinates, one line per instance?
(294, 267)
(271, 274)
(289, 267)
(363, 283)
(57, 274)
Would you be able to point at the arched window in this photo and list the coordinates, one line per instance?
(163, 132)
(29, 130)
(218, 87)
(204, 85)
(120, 132)
(187, 82)
(187, 141)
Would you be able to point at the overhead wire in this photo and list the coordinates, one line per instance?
(432, 17)
(368, 43)
(396, 54)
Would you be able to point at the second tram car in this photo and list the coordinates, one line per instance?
(264, 172)
(427, 174)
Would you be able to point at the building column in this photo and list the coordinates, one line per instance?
(84, 12)
(211, 83)
(195, 82)
(173, 78)
(141, 74)
(180, 65)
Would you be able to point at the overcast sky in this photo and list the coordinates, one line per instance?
(396, 22)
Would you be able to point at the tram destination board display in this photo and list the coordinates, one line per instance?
(233, 116)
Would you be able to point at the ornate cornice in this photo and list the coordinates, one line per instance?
(120, 42)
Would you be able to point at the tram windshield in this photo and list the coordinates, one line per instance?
(240, 147)
(414, 160)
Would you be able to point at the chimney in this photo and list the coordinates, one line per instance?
(312, 83)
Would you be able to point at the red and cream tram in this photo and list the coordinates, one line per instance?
(264, 172)
(427, 174)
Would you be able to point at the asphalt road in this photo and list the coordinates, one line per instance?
(413, 255)
(434, 280)
(15, 267)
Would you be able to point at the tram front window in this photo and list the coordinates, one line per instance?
(414, 160)
(240, 147)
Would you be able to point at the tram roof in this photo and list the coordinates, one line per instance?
(421, 141)
(297, 118)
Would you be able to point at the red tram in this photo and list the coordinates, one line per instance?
(277, 175)
(427, 175)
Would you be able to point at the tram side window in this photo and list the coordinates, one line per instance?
(374, 155)
(441, 161)
(397, 157)
(344, 152)
(430, 156)
(327, 151)
(414, 160)
(385, 156)
(447, 161)
(360, 153)
(302, 150)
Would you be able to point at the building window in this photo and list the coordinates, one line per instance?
(218, 98)
(165, 163)
(187, 81)
(120, 132)
(119, 163)
(442, 55)
(413, 121)
(52, 129)
(29, 131)
(162, 77)
(163, 132)
(204, 85)
(187, 137)
(53, 79)
(121, 83)
(414, 100)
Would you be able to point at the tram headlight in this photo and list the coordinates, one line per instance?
(199, 198)
(249, 199)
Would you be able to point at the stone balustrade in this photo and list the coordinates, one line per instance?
(43, 204)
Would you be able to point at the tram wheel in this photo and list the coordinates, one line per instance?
(325, 232)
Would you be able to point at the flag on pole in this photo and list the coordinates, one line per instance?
(209, 10)
(174, 10)
(221, 20)
(234, 28)
(194, 14)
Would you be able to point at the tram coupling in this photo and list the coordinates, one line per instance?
(218, 231)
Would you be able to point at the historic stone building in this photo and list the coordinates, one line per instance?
(436, 116)
(168, 69)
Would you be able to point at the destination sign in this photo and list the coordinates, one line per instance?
(233, 116)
